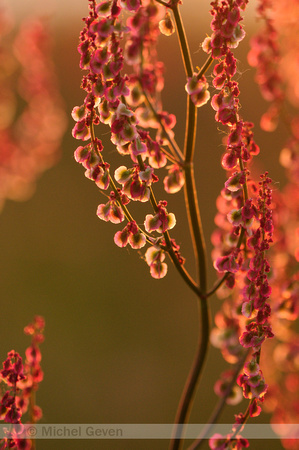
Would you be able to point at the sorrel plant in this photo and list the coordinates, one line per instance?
(255, 245)
(123, 82)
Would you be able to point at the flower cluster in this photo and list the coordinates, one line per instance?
(227, 31)
(12, 373)
(197, 87)
(123, 86)
(33, 122)
(244, 221)
(129, 103)
(245, 318)
(34, 373)
(253, 384)
(19, 382)
(236, 207)
(273, 48)
(220, 442)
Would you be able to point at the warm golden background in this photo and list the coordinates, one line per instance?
(118, 344)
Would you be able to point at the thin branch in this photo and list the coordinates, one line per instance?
(217, 285)
(205, 67)
(187, 397)
(196, 231)
(221, 281)
(183, 41)
(172, 143)
(164, 4)
(193, 213)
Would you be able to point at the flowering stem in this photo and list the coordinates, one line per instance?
(205, 67)
(195, 226)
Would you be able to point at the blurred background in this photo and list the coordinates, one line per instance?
(119, 344)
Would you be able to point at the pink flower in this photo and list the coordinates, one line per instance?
(135, 182)
(130, 234)
(110, 211)
(81, 130)
(227, 264)
(161, 222)
(235, 182)
(198, 90)
(154, 257)
(100, 175)
(175, 179)
(166, 25)
(103, 8)
(156, 158)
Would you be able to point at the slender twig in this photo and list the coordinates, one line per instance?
(221, 281)
(164, 4)
(185, 52)
(238, 428)
(171, 142)
(182, 271)
(217, 285)
(205, 67)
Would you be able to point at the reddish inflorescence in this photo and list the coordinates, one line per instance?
(123, 88)
(244, 219)
(129, 102)
(272, 53)
(19, 381)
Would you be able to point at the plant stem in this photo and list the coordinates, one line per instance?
(183, 41)
(196, 231)
(187, 397)
(195, 226)
(189, 147)
(205, 67)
